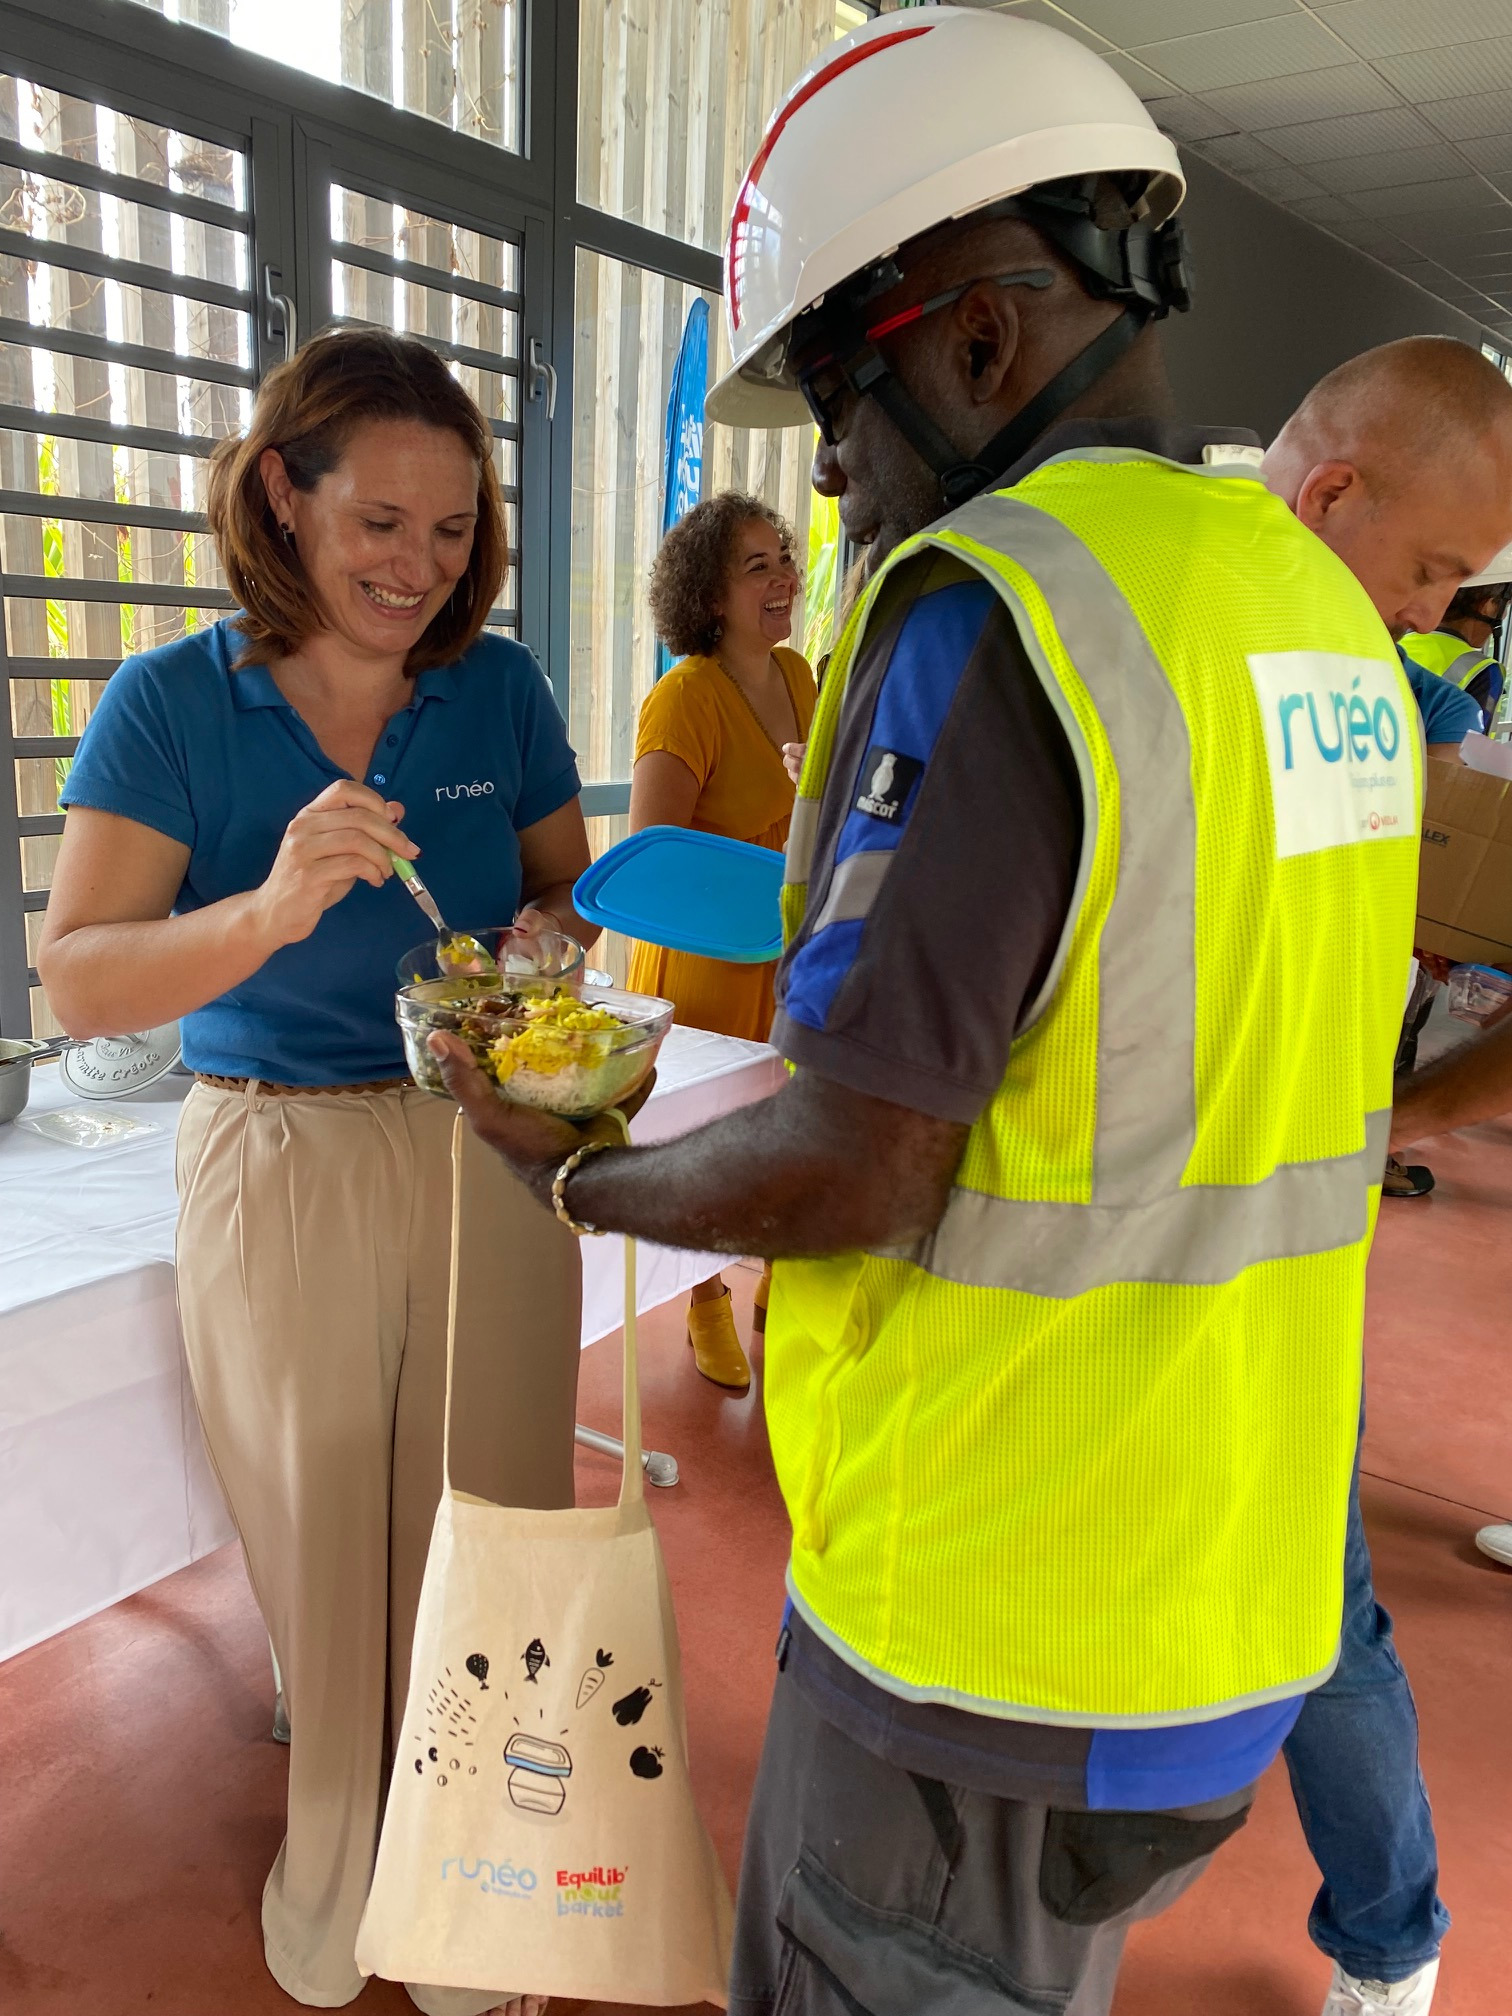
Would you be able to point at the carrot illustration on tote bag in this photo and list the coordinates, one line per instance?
(540, 1831)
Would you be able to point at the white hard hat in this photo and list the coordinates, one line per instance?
(1494, 573)
(910, 121)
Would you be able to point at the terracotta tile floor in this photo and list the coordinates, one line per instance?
(140, 1791)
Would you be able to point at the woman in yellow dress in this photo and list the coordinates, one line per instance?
(709, 754)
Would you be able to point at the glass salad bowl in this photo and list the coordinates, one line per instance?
(525, 959)
(573, 1052)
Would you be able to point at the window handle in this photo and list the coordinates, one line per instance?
(542, 373)
(283, 306)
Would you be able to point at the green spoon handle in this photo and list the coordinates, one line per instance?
(407, 874)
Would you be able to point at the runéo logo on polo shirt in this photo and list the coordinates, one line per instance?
(477, 789)
(888, 779)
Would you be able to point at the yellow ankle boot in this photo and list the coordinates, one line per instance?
(716, 1347)
(759, 1303)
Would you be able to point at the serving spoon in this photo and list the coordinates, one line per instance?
(457, 952)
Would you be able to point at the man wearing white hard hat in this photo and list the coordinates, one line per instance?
(1071, 1191)
(1457, 649)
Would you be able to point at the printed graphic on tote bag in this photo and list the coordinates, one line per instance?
(537, 1764)
(593, 1679)
(451, 1727)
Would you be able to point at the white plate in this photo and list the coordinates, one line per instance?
(112, 1066)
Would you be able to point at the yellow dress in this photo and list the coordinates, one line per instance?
(698, 714)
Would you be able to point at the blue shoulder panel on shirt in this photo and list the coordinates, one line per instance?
(934, 646)
(816, 970)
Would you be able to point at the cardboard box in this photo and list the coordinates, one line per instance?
(1465, 883)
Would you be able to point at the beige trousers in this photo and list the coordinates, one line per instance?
(313, 1260)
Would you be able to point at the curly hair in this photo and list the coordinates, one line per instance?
(308, 409)
(690, 571)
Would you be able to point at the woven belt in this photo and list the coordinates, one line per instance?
(299, 1091)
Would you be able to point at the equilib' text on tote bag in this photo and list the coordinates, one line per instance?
(541, 1834)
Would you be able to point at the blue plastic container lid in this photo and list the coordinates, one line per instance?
(688, 891)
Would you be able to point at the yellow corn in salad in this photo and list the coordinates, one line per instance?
(562, 1032)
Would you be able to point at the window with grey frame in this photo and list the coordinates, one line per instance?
(536, 189)
(154, 262)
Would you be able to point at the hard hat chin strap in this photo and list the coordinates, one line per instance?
(1145, 271)
(961, 477)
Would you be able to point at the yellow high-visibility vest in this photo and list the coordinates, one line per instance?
(1083, 1454)
(1447, 657)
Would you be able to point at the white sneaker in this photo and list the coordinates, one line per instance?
(1497, 1542)
(1412, 1997)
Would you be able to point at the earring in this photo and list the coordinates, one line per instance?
(288, 534)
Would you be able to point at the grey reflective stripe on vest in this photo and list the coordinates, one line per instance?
(802, 829)
(1007, 1711)
(1147, 993)
(1201, 1236)
(1140, 1224)
(1461, 670)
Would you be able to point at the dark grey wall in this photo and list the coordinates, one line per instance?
(1278, 303)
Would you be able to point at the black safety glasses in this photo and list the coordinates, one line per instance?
(830, 380)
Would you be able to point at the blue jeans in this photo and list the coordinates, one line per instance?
(1353, 1759)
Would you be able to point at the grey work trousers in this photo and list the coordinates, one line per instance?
(866, 1891)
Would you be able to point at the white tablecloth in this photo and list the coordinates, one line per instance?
(104, 1485)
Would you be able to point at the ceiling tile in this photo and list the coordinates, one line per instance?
(1492, 156)
(1052, 17)
(1433, 244)
(1187, 119)
(1140, 76)
(1373, 238)
(1244, 55)
(1127, 22)
(1460, 196)
(1319, 94)
(1481, 229)
(1240, 153)
(1387, 171)
(1334, 139)
(1282, 184)
(1473, 118)
(1395, 27)
(1324, 210)
(1448, 73)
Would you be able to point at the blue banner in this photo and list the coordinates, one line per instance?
(683, 479)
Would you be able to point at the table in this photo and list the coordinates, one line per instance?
(104, 1482)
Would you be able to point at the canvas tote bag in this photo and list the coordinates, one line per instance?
(540, 1834)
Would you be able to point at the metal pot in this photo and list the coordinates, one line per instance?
(16, 1054)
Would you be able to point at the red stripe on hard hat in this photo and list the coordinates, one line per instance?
(774, 133)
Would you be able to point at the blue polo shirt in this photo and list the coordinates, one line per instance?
(220, 761)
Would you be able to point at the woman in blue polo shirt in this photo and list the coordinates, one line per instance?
(226, 861)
